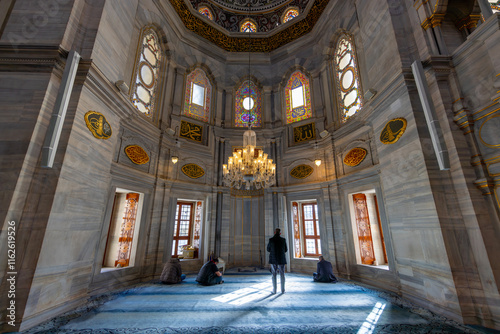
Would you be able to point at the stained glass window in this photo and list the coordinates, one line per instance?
(248, 26)
(248, 105)
(495, 6)
(297, 98)
(290, 14)
(347, 78)
(197, 96)
(147, 73)
(205, 11)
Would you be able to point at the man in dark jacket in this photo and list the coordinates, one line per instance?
(209, 274)
(277, 249)
(172, 272)
(324, 272)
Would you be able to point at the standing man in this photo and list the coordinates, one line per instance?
(277, 249)
(324, 272)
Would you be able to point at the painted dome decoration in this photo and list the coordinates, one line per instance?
(290, 14)
(205, 11)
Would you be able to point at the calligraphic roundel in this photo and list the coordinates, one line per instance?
(137, 154)
(393, 130)
(193, 171)
(355, 156)
(98, 125)
(301, 171)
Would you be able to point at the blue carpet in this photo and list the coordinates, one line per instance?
(244, 304)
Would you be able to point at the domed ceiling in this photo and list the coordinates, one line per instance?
(273, 24)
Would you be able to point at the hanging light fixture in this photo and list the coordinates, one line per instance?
(249, 166)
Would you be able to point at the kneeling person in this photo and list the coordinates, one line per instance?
(324, 272)
(172, 272)
(209, 274)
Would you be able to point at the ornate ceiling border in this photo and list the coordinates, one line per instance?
(244, 44)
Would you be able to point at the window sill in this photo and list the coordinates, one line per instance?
(108, 269)
(382, 267)
(306, 258)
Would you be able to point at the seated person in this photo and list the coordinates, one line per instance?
(172, 272)
(209, 274)
(324, 272)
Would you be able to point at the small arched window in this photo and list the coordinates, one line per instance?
(248, 26)
(297, 98)
(197, 96)
(290, 14)
(205, 11)
(248, 101)
(347, 78)
(147, 73)
(495, 7)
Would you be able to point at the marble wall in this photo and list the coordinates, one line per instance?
(440, 227)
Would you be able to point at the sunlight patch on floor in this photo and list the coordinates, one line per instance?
(245, 295)
(371, 320)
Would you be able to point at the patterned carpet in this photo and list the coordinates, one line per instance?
(244, 304)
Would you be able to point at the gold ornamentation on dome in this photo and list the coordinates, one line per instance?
(191, 131)
(98, 125)
(304, 133)
(301, 171)
(393, 130)
(240, 44)
(193, 171)
(355, 156)
(137, 154)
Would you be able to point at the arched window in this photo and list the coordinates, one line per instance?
(197, 96)
(205, 11)
(297, 98)
(290, 14)
(147, 73)
(247, 107)
(347, 78)
(248, 26)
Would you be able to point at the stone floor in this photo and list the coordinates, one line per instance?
(244, 304)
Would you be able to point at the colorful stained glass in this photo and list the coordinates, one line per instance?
(495, 7)
(347, 78)
(147, 70)
(290, 14)
(197, 96)
(297, 98)
(205, 11)
(248, 105)
(248, 26)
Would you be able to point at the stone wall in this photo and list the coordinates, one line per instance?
(440, 226)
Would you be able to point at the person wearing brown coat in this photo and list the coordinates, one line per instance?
(172, 272)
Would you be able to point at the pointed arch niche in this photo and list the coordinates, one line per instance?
(349, 93)
(197, 95)
(248, 104)
(147, 72)
(298, 97)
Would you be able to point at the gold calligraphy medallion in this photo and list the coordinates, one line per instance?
(98, 125)
(301, 171)
(393, 130)
(193, 171)
(355, 156)
(137, 154)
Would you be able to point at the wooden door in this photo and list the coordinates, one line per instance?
(363, 228)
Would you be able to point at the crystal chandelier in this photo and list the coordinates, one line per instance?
(247, 168)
